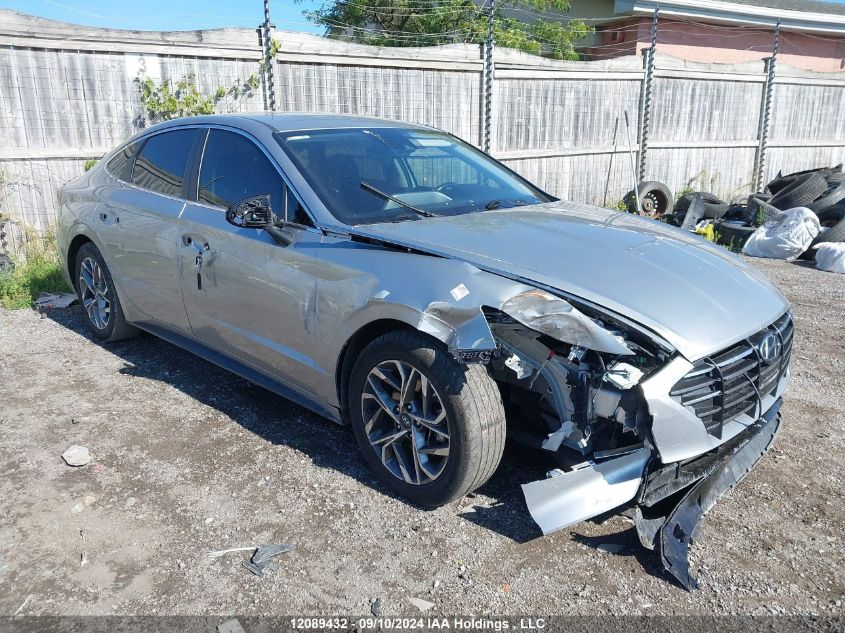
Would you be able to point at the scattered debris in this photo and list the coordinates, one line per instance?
(264, 555)
(130, 501)
(422, 605)
(21, 608)
(376, 607)
(611, 548)
(830, 256)
(76, 456)
(230, 626)
(786, 236)
(53, 301)
(90, 500)
(223, 552)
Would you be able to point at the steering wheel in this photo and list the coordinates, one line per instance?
(444, 187)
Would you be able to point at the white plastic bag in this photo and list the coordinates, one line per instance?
(830, 256)
(785, 236)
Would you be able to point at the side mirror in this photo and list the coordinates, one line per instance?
(254, 212)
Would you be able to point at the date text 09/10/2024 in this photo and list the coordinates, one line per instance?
(425, 623)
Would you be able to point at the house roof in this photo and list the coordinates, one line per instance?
(812, 6)
(793, 15)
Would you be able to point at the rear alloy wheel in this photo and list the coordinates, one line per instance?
(94, 293)
(98, 298)
(432, 429)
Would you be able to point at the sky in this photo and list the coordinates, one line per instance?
(174, 15)
(170, 15)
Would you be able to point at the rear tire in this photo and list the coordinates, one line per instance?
(98, 297)
(447, 458)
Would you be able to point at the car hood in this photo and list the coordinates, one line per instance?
(697, 296)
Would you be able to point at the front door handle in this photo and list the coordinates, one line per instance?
(200, 248)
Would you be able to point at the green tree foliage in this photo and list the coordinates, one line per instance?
(171, 100)
(520, 24)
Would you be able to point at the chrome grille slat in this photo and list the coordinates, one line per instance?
(694, 383)
(731, 382)
(732, 356)
(707, 396)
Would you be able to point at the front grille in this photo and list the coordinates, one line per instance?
(725, 385)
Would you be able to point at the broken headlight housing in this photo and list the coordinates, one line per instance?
(569, 375)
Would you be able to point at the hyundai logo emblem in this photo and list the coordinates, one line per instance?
(768, 346)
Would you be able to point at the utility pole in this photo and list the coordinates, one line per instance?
(766, 114)
(645, 104)
(268, 60)
(488, 77)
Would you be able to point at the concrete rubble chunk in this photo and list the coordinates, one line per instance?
(76, 456)
(230, 626)
(50, 300)
(422, 605)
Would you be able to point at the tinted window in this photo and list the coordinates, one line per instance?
(160, 166)
(234, 168)
(117, 165)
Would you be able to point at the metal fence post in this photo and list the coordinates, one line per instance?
(488, 79)
(766, 114)
(268, 60)
(645, 101)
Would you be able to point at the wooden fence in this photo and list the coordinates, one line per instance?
(69, 94)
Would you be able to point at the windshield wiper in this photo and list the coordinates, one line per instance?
(404, 217)
(497, 204)
(367, 186)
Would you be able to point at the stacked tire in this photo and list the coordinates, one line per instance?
(821, 190)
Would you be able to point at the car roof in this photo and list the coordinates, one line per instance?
(291, 121)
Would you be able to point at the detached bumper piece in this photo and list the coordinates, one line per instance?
(717, 473)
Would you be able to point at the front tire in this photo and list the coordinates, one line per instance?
(98, 297)
(431, 428)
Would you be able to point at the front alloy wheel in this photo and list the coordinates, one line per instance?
(431, 428)
(406, 423)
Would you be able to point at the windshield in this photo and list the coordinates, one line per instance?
(369, 175)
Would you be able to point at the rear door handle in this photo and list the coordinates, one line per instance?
(104, 217)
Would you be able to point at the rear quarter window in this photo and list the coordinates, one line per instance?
(162, 162)
(119, 163)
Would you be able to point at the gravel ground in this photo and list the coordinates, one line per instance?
(188, 459)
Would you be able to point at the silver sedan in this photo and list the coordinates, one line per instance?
(392, 277)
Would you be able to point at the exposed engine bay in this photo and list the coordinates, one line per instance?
(585, 402)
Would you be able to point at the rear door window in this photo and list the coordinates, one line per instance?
(162, 162)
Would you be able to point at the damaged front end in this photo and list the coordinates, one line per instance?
(618, 410)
